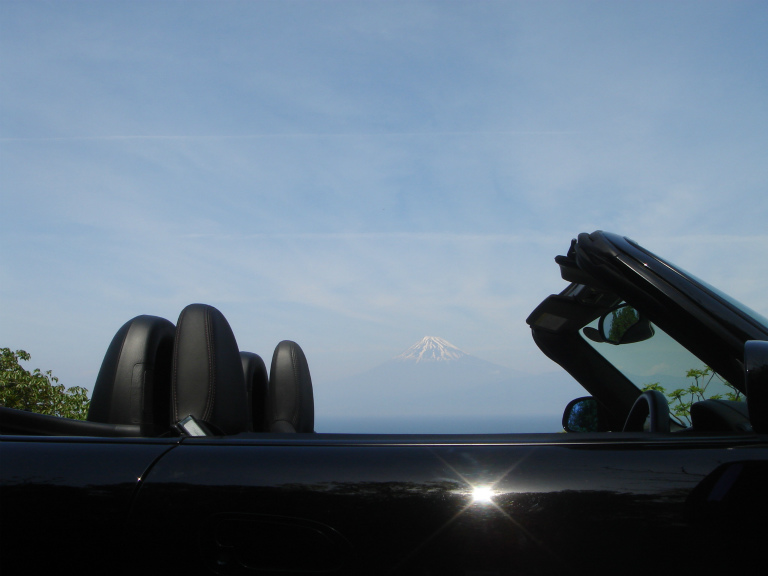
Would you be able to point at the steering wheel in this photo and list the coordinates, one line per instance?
(653, 403)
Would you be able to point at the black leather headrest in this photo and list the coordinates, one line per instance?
(134, 382)
(256, 385)
(291, 406)
(207, 380)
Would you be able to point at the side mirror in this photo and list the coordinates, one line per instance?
(756, 372)
(582, 415)
(622, 325)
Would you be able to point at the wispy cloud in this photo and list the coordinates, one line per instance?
(356, 175)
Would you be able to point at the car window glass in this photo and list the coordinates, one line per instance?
(662, 363)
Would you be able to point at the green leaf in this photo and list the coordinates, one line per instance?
(653, 386)
(38, 391)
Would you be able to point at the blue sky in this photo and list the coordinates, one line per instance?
(357, 175)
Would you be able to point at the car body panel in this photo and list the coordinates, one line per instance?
(403, 505)
(60, 496)
(380, 504)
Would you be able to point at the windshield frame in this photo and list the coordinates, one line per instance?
(606, 269)
(744, 311)
(712, 327)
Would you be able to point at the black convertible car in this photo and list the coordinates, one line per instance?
(196, 460)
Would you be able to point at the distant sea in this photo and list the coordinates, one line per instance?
(509, 424)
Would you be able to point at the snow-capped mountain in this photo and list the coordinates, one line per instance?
(435, 378)
(431, 349)
(431, 376)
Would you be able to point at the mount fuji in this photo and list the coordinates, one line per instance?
(431, 349)
(433, 377)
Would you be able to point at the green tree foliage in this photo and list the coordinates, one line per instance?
(38, 391)
(622, 320)
(681, 400)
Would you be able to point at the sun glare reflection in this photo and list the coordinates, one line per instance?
(482, 494)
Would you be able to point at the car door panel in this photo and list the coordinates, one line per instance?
(329, 505)
(64, 500)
